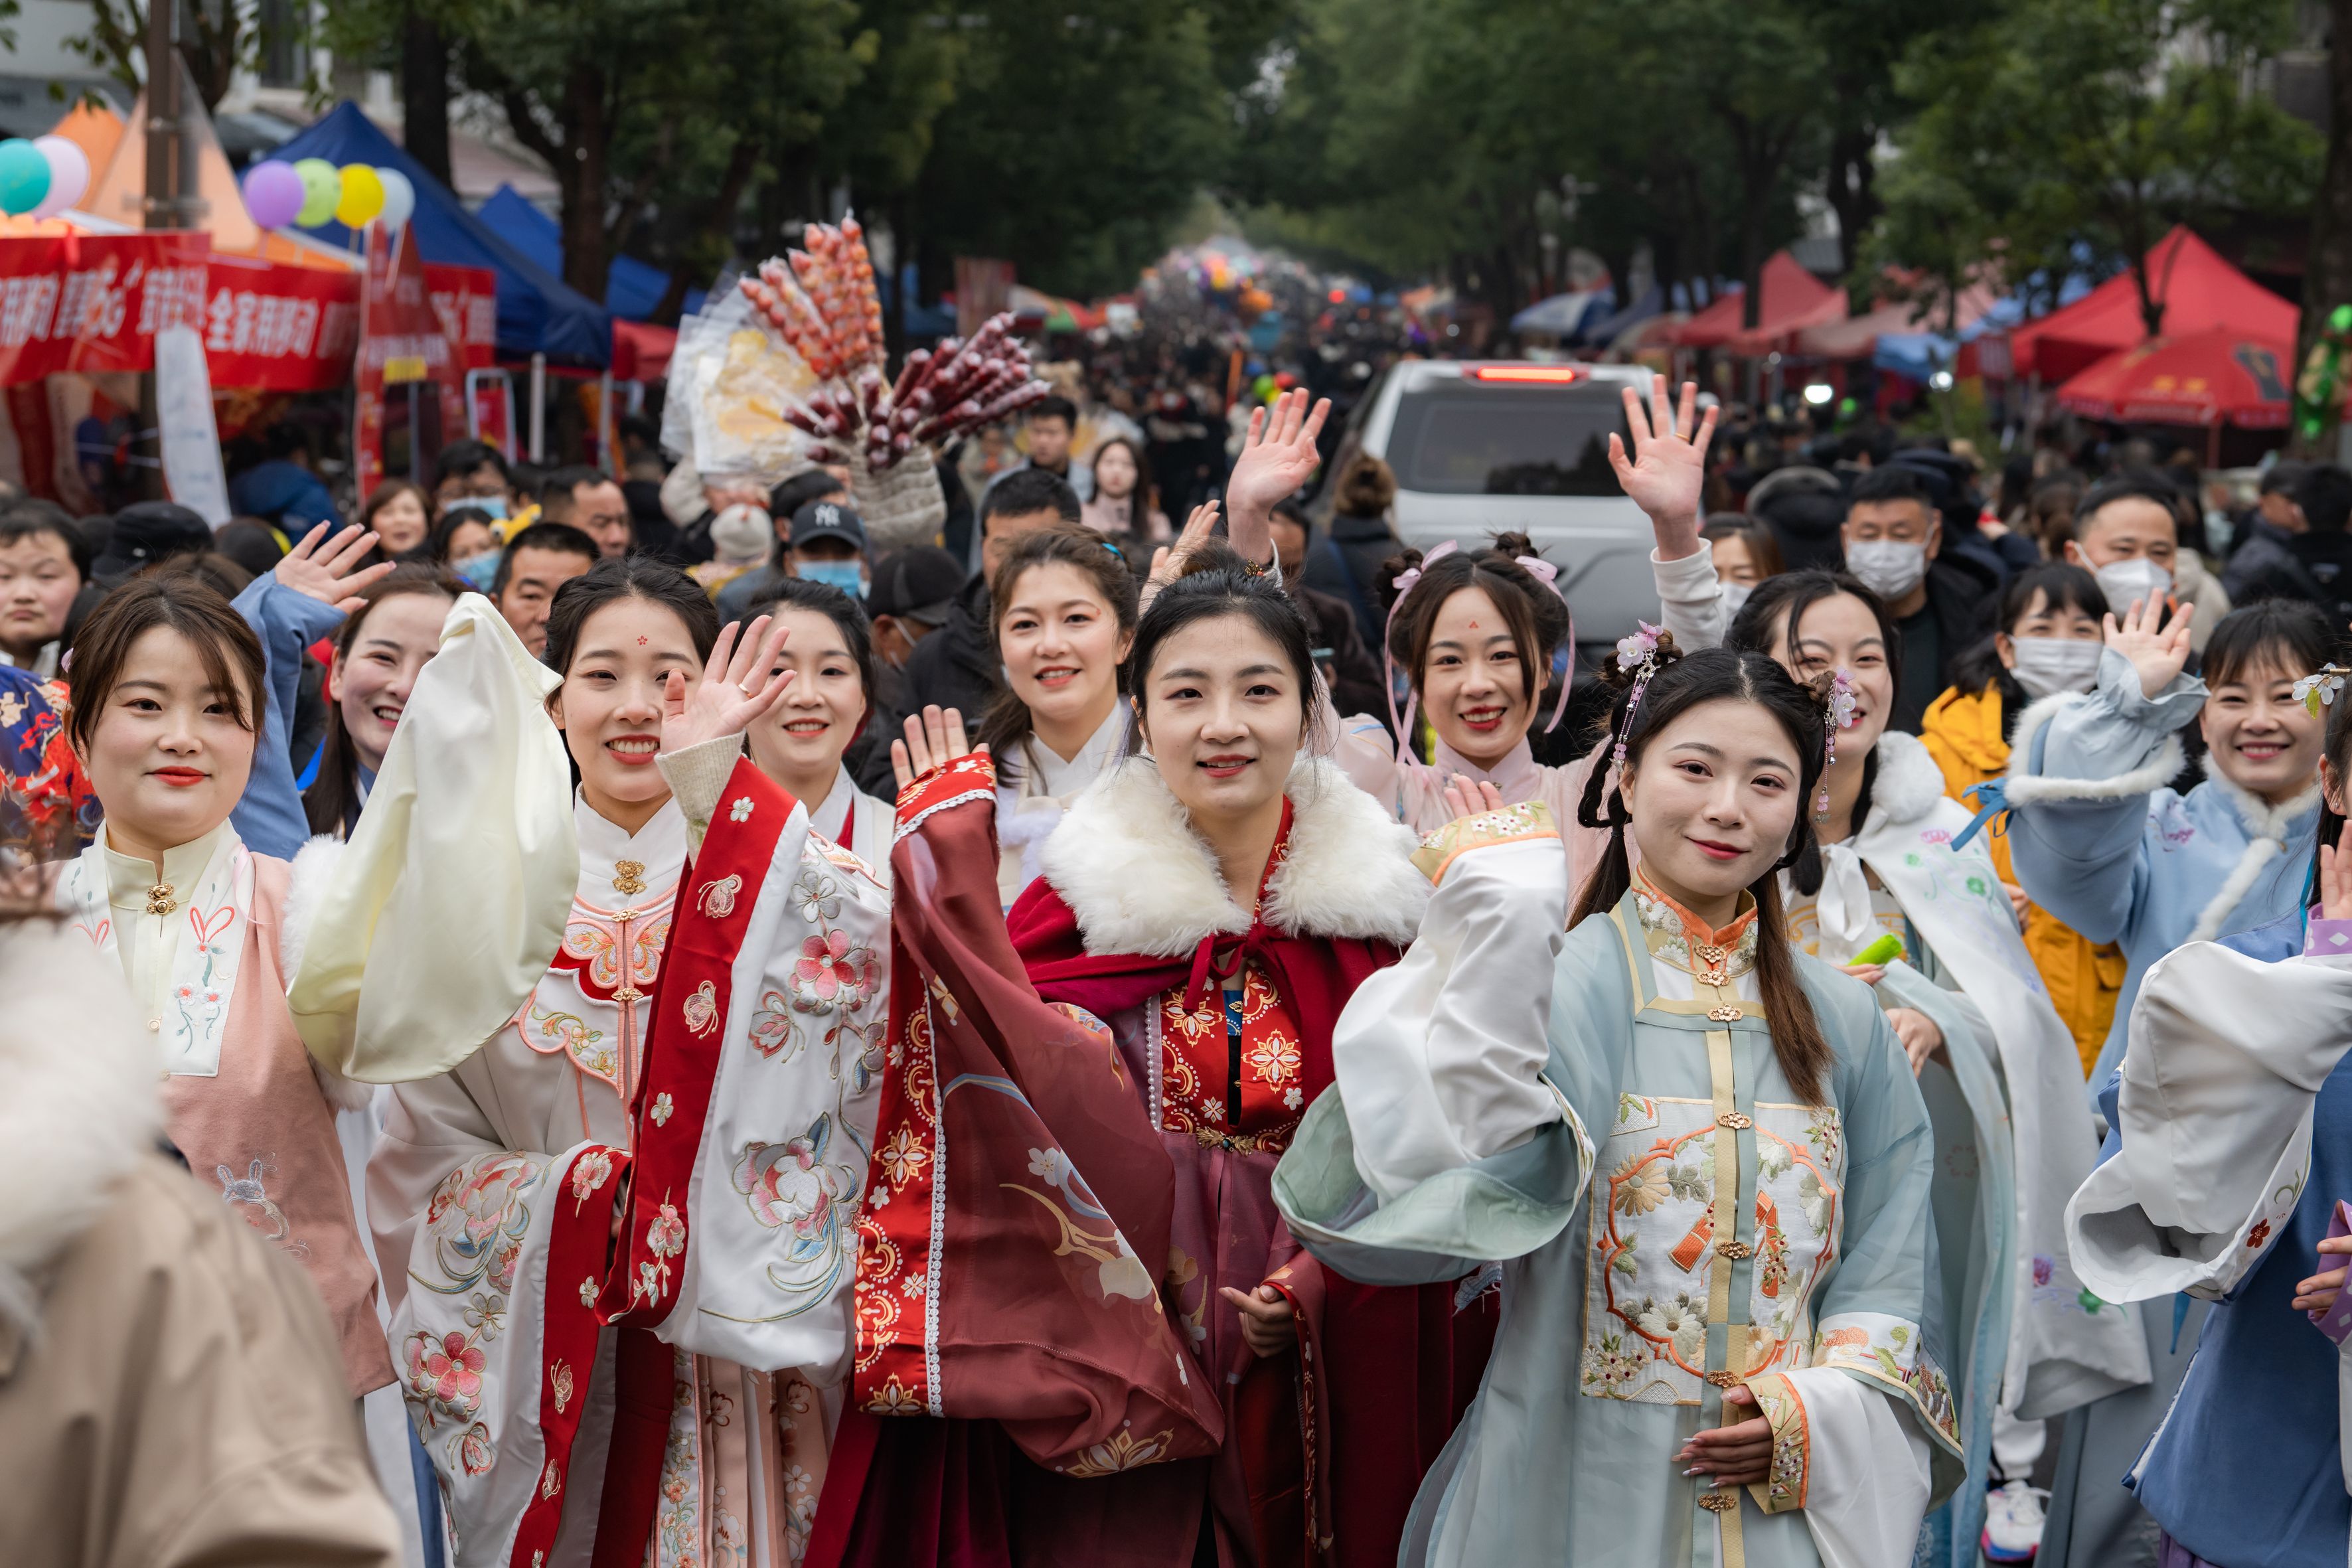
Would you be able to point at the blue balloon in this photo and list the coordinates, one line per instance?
(24, 176)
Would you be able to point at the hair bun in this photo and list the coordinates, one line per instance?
(1405, 560)
(1513, 545)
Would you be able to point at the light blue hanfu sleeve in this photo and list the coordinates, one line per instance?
(269, 816)
(2082, 767)
(1455, 1133)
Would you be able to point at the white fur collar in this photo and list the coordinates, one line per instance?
(82, 1104)
(1139, 881)
(2262, 819)
(1908, 782)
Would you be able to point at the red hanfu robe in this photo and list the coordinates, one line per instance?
(1119, 1067)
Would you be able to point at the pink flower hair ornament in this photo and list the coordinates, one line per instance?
(1638, 652)
(1839, 714)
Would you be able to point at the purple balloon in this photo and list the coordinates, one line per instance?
(273, 193)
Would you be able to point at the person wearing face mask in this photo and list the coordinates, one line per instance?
(466, 541)
(828, 545)
(1893, 539)
(2102, 840)
(1744, 553)
(2048, 644)
(2128, 534)
(473, 473)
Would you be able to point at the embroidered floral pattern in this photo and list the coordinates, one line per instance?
(444, 1375)
(477, 1217)
(833, 971)
(1123, 1452)
(663, 1110)
(902, 1157)
(793, 1187)
(1886, 1350)
(589, 1173)
(1654, 1244)
(1195, 1088)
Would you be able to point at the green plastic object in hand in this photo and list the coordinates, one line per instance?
(1885, 950)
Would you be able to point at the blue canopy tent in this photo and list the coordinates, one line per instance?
(632, 287)
(1564, 315)
(1605, 328)
(538, 312)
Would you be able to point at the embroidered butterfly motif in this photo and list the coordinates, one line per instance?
(717, 898)
(559, 1381)
(702, 1010)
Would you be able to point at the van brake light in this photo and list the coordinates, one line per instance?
(1550, 374)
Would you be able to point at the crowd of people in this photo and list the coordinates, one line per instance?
(1165, 1027)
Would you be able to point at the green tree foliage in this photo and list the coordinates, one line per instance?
(2049, 129)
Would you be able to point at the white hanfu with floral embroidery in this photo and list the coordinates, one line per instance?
(1638, 1283)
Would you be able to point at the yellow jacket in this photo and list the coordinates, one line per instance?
(1963, 733)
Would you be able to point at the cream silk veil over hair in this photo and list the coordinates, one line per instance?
(451, 897)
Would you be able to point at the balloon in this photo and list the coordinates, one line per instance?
(68, 175)
(363, 195)
(399, 197)
(24, 176)
(322, 187)
(273, 193)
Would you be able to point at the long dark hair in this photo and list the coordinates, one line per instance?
(848, 617)
(1681, 683)
(1215, 584)
(1783, 601)
(1008, 723)
(627, 577)
(2292, 635)
(333, 801)
(1535, 615)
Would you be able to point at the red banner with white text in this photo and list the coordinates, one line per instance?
(94, 302)
(274, 327)
(466, 301)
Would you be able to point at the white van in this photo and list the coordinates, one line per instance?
(1486, 447)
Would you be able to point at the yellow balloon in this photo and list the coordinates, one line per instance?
(363, 195)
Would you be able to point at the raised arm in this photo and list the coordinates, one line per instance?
(312, 591)
(1667, 477)
(1278, 455)
(2082, 769)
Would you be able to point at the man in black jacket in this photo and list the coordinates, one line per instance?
(2313, 564)
(956, 666)
(1892, 535)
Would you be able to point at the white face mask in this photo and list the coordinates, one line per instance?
(2126, 583)
(2046, 665)
(1887, 567)
(1734, 597)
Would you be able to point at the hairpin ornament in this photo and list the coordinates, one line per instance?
(1406, 581)
(2320, 687)
(1840, 714)
(1638, 652)
(1545, 573)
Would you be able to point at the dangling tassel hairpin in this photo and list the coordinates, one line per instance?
(1640, 652)
(1840, 715)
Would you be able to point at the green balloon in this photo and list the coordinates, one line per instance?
(322, 188)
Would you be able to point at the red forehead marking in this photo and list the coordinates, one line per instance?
(641, 642)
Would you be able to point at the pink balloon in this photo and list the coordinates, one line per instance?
(273, 193)
(68, 175)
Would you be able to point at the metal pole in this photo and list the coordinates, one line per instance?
(539, 409)
(608, 424)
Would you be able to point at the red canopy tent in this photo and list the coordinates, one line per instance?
(2199, 290)
(1793, 299)
(2214, 377)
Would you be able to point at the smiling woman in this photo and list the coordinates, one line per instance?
(377, 656)
(1202, 914)
(828, 648)
(167, 703)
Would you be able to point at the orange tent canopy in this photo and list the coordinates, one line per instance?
(2197, 288)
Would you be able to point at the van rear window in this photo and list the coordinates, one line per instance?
(1462, 438)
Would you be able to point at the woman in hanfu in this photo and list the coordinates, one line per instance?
(2101, 838)
(829, 649)
(2231, 1147)
(1071, 1253)
(166, 717)
(1477, 632)
(692, 1075)
(1721, 1342)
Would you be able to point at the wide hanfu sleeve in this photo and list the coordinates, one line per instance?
(2222, 1070)
(446, 907)
(754, 1112)
(1016, 1239)
(1446, 1140)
